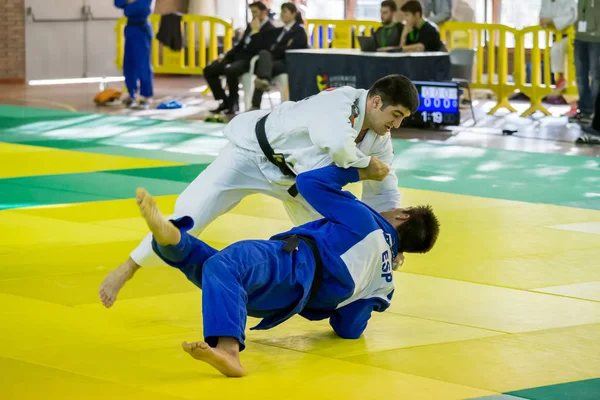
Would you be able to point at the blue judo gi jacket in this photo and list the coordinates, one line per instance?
(136, 11)
(357, 246)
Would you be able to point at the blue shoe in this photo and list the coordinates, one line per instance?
(170, 105)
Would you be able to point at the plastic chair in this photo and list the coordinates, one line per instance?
(247, 81)
(461, 71)
(280, 82)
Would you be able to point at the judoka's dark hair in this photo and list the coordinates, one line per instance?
(396, 90)
(413, 7)
(420, 232)
(391, 4)
(258, 4)
(291, 7)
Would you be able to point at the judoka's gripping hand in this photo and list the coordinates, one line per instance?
(377, 170)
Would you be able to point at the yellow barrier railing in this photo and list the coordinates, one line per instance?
(341, 34)
(492, 66)
(492, 69)
(196, 55)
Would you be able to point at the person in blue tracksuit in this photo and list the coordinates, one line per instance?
(138, 45)
(339, 267)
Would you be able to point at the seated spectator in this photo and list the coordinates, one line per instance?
(387, 37)
(237, 61)
(418, 34)
(271, 62)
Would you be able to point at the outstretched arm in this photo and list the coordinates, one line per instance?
(322, 189)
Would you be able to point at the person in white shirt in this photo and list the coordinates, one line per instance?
(437, 11)
(344, 126)
(559, 14)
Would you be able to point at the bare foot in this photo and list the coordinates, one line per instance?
(165, 233)
(227, 364)
(114, 281)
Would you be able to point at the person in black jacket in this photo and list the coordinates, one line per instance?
(271, 62)
(237, 61)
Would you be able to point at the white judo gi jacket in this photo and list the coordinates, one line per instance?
(319, 131)
(310, 133)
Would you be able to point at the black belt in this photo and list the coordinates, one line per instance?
(141, 24)
(138, 23)
(291, 244)
(275, 158)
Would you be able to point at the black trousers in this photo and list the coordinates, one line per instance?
(232, 72)
(266, 68)
(596, 119)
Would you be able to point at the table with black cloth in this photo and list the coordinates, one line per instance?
(313, 70)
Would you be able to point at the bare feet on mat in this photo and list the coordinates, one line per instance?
(164, 231)
(114, 281)
(224, 362)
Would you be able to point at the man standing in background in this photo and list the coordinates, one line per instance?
(587, 52)
(138, 46)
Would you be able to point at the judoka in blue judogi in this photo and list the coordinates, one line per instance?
(138, 44)
(339, 267)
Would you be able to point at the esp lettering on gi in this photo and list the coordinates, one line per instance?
(386, 266)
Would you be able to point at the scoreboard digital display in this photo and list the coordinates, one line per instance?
(439, 104)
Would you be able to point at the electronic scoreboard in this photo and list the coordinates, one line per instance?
(439, 104)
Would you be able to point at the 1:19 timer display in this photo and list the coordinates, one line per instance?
(438, 104)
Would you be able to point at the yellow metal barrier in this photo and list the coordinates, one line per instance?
(478, 37)
(492, 69)
(536, 90)
(342, 34)
(196, 55)
(492, 73)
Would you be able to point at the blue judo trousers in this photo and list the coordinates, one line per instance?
(138, 44)
(262, 279)
(252, 277)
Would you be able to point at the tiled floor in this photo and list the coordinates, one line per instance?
(506, 306)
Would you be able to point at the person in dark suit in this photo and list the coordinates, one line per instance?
(237, 61)
(271, 62)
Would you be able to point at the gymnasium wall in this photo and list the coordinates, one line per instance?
(12, 40)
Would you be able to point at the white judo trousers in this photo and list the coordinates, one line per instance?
(310, 134)
(235, 174)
